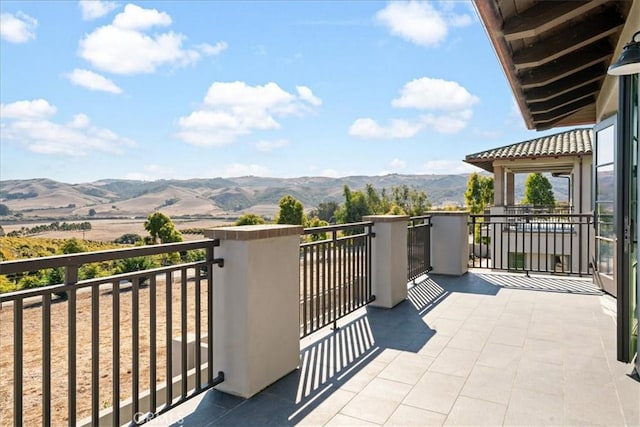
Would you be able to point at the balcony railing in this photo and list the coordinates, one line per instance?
(546, 243)
(419, 246)
(107, 343)
(335, 274)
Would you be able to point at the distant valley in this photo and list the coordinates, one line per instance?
(215, 197)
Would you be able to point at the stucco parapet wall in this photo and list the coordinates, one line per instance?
(448, 213)
(386, 218)
(253, 232)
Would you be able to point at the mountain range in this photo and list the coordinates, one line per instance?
(215, 197)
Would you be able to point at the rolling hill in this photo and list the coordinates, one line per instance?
(216, 197)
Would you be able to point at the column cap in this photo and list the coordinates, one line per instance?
(450, 213)
(385, 218)
(253, 232)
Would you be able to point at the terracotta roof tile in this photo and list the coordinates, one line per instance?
(573, 142)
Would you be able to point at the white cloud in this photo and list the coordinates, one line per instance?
(397, 129)
(448, 123)
(271, 145)
(233, 109)
(151, 173)
(456, 20)
(92, 81)
(124, 48)
(216, 49)
(94, 9)
(305, 94)
(447, 167)
(240, 169)
(29, 123)
(18, 28)
(434, 94)
(397, 164)
(417, 22)
(135, 17)
(27, 110)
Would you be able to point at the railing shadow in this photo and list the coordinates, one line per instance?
(335, 357)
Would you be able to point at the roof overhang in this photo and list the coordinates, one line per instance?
(555, 54)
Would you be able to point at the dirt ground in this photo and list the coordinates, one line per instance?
(108, 230)
(32, 353)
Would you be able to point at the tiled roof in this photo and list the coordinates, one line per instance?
(570, 143)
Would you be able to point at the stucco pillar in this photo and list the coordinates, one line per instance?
(389, 259)
(498, 186)
(449, 242)
(511, 197)
(256, 326)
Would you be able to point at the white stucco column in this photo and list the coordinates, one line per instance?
(389, 259)
(498, 186)
(256, 326)
(449, 242)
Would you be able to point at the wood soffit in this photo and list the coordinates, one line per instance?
(555, 54)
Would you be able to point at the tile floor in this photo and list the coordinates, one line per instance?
(481, 349)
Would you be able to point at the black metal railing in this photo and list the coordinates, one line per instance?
(418, 246)
(546, 243)
(335, 274)
(107, 344)
(537, 209)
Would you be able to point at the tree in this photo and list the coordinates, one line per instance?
(161, 228)
(128, 239)
(479, 193)
(291, 211)
(412, 201)
(4, 210)
(92, 212)
(314, 223)
(355, 206)
(326, 211)
(538, 191)
(250, 219)
(73, 246)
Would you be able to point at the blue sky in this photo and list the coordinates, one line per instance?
(201, 89)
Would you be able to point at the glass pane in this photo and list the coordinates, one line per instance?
(604, 226)
(604, 183)
(605, 146)
(604, 256)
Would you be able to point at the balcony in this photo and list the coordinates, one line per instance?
(317, 330)
(480, 349)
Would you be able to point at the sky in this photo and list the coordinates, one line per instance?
(152, 90)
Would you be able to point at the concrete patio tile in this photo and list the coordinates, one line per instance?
(410, 416)
(446, 326)
(457, 313)
(406, 368)
(542, 351)
(359, 380)
(587, 370)
(475, 412)
(453, 361)
(492, 384)
(369, 408)
(500, 356)
(341, 420)
(533, 408)
(477, 322)
(377, 401)
(598, 405)
(435, 345)
(507, 335)
(467, 339)
(435, 392)
(327, 409)
(549, 331)
(514, 320)
(539, 376)
(260, 410)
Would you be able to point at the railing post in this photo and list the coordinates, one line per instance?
(389, 259)
(256, 325)
(449, 242)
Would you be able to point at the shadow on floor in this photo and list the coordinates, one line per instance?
(336, 356)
